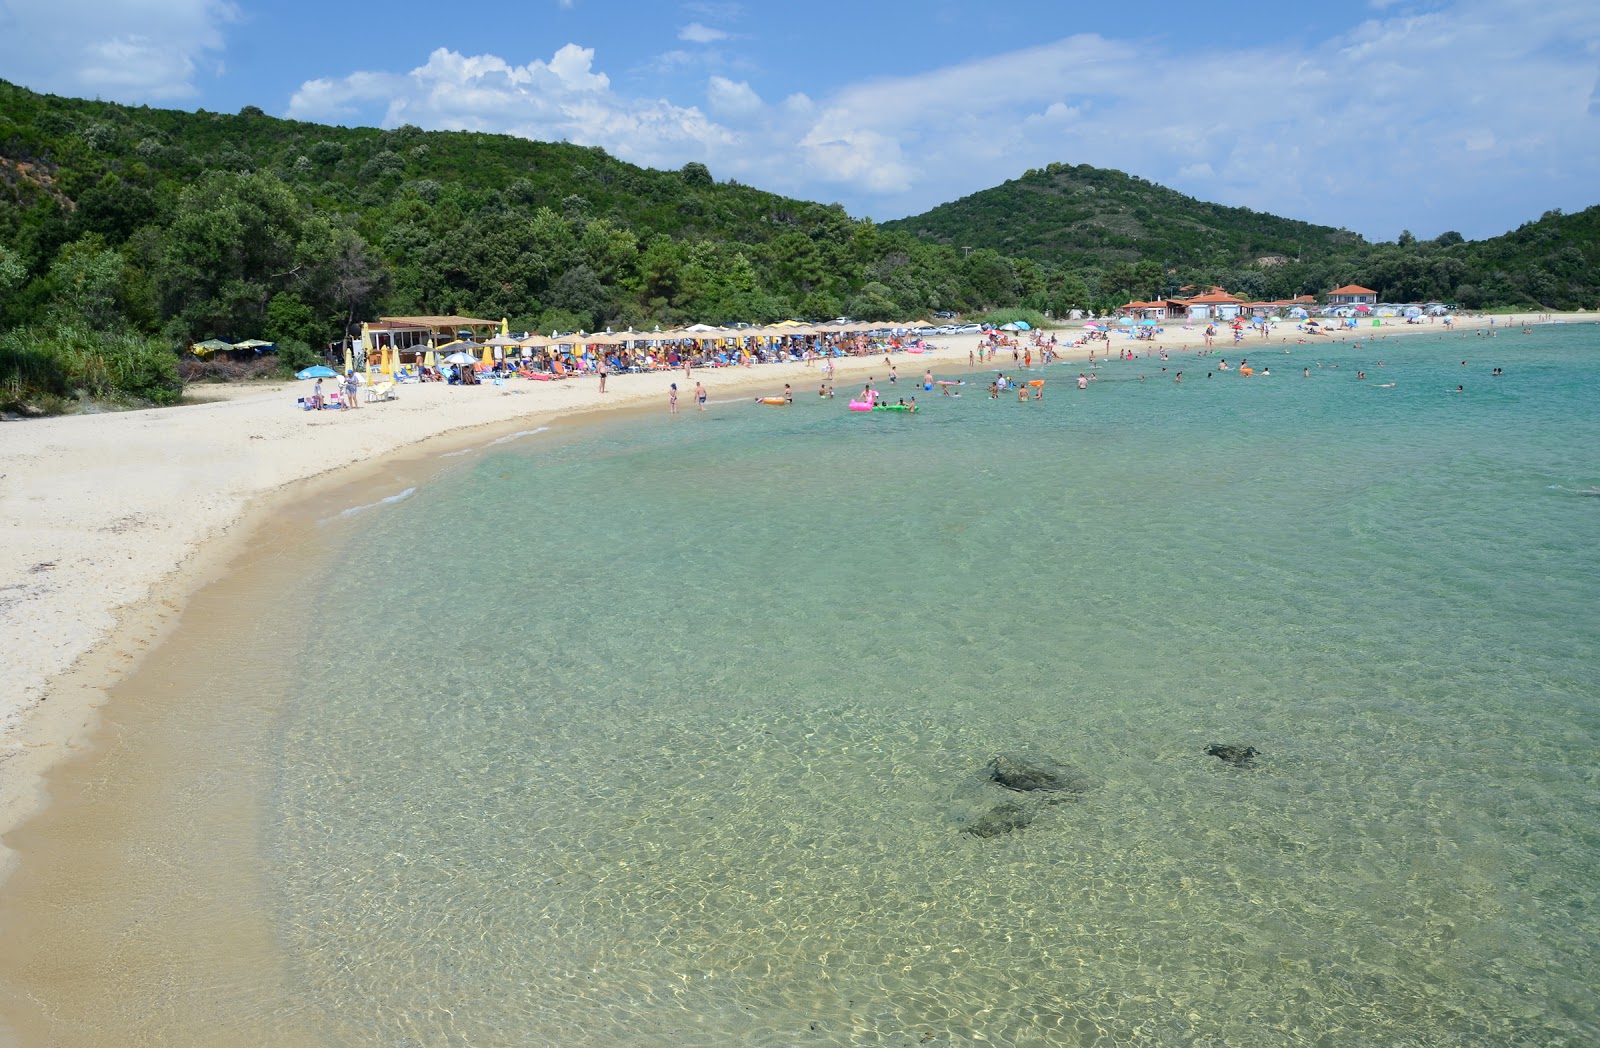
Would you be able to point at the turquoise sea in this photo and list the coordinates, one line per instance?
(666, 730)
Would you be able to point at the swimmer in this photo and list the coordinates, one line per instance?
(1458, 389)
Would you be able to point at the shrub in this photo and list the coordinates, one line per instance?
(40, 367)
(294, 355)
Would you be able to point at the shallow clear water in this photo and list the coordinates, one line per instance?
(667, 731)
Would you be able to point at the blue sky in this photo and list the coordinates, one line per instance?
(1473, 115)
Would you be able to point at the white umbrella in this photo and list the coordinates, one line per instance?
(461, 358)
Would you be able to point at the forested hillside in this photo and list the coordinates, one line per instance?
(127, 232)
(1090, 216)
(1122, 232)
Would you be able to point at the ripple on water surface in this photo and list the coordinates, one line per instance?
(676, 727)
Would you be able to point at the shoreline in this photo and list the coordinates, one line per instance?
(118, 519)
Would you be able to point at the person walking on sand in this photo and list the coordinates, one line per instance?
(672, 399)
(602, 370)
(700, 395)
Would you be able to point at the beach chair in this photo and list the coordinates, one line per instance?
(382, 391)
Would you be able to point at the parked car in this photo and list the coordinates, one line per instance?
(945, 314)
(969, 329)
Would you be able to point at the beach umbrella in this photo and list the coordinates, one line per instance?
(460, 358)
(1125, 322)
(1023, 325)
(1147, 322)
(317, 371)
(349, 359)
(1008, 327)
(253, 343)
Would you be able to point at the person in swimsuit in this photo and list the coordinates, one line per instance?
(700, 395)
(672, 399)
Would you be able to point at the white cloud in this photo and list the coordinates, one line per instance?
(696, 33)
(1416, 117)
(127, 50)
(732, 99)
(564, 98)
(1382, 128)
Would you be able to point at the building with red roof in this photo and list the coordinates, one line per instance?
(1215, 304)
(1352, 295)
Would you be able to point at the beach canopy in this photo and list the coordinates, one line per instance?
(1023, 325)
(210, 346)
(254, 343)
(317, 371)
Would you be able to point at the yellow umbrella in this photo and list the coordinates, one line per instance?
(488, 359)
(349, 359)
(384, 364)
(430, 360)
(505, 329)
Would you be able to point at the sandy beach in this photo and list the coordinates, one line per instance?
(112, 519)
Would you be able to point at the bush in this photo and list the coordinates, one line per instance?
(40, 368)
(1032, 317)
(294, 355)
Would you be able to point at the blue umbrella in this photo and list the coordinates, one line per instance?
(1022, 325)
(317, 371)
(1147, 322)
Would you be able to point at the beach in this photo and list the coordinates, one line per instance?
(102, 511)
(204, 509)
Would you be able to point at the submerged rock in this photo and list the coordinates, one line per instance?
(1238, 756)
(1029, 774)
(1002, 818)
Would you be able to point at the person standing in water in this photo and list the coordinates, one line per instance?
(672, 399)
(700, 395)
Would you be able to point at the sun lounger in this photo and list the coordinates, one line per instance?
(382, 391)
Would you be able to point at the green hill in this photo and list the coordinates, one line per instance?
(1090, 216)
(126, 232)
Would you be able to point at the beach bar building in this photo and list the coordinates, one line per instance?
(1352, 295)
(411, 336)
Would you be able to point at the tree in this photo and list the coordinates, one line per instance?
(1407, 238)
(696, 174)
(84, 281)
(12, 272)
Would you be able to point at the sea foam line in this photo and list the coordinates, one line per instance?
(519, 434)
(353, 510)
